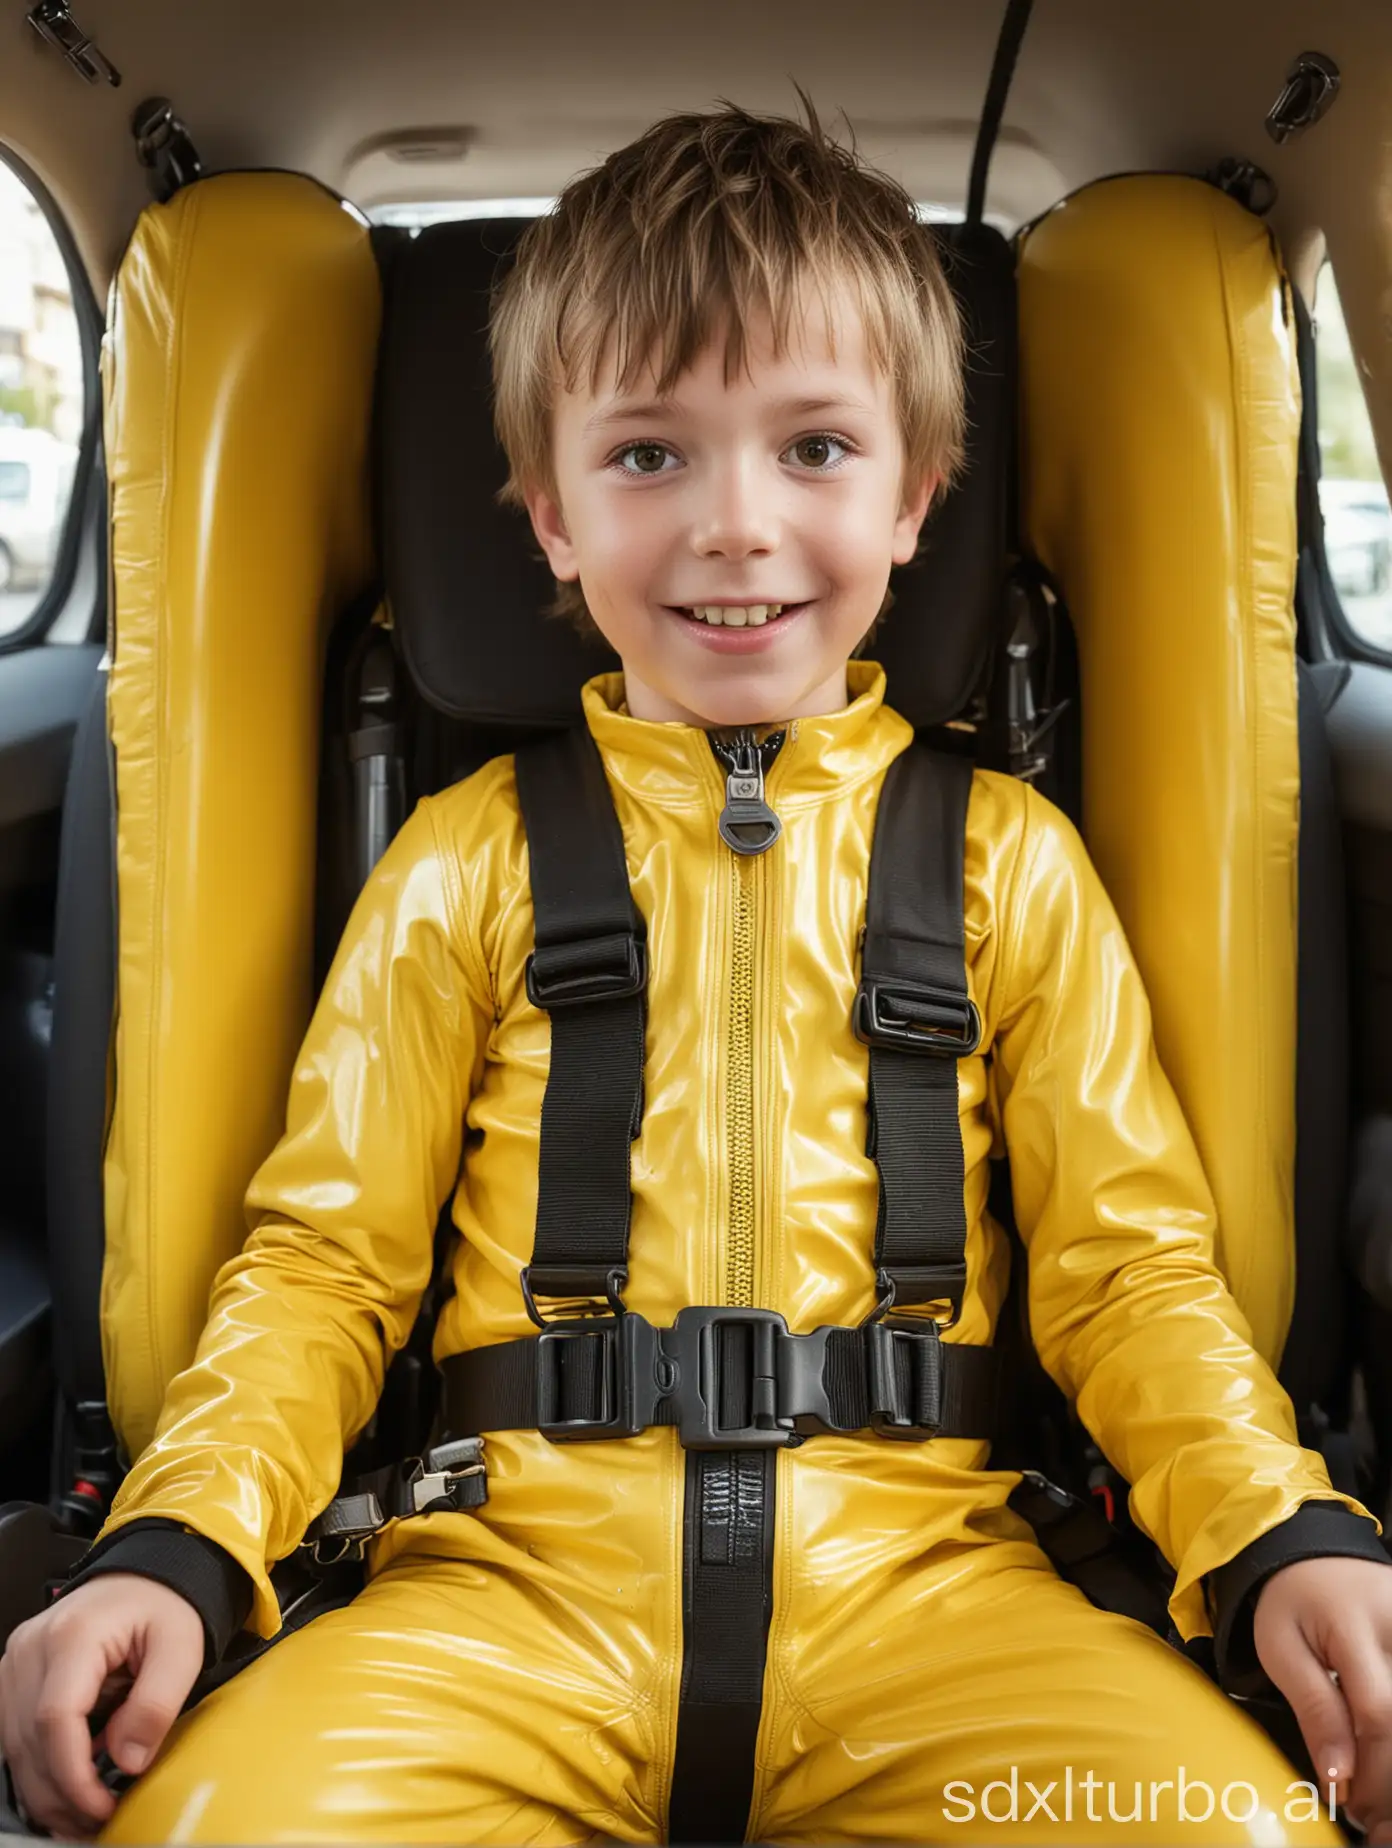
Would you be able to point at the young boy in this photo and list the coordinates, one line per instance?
(728, 383)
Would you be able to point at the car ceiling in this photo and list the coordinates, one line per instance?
(379, 100)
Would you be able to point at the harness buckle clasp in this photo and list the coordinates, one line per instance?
(710, 1373)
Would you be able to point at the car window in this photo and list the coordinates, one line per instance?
(1353, 498)
(41, 401)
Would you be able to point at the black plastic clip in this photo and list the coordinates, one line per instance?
(698, 1348)
(904, 1016)
(590, 969)
(904, 1363)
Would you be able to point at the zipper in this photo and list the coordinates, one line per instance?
(747, 824)
(727, 1545)
(749, 827)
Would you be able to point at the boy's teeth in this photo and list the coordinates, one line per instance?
(752, 614)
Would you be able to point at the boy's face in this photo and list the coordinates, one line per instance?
(783, 488)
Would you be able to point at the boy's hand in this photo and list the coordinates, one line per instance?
(118, 1637)
(1323, 1632)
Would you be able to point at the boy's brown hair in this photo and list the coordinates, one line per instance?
(687, 233)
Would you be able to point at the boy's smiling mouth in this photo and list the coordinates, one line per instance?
(735, 615)
(738, 628)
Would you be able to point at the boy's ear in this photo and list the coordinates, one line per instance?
(912, 514)
(548, 523)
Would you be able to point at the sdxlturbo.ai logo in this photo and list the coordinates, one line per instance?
(1093, 1799)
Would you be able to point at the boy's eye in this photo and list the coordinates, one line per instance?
(816, 452)
(648, 458)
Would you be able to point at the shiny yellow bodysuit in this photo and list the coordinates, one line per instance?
(513, 1675)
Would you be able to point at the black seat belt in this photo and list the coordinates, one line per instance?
(589, 972)
(914, 1013)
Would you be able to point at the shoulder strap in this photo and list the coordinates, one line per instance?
(589, 973)
(913, 1011)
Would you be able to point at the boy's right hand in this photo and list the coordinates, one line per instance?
(119, 1637)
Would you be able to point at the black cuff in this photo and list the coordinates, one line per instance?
(198, 1569)
(1317, 1530)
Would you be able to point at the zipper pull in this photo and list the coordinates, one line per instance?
(747, 824)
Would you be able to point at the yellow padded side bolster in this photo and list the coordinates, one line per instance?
(238, 374)
(1160, 408)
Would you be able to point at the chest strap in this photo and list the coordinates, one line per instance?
(728, 1378)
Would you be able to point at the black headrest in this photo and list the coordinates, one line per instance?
(466, 578)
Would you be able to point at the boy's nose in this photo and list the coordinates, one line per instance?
(737, 516)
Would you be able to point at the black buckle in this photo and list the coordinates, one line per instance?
(630, 1378)
(589, 969)
(915, 1017)
(695, 1345)
(909, 1409)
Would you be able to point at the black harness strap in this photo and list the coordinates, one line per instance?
(727, 1602)
(914, 1013)
(589, 973)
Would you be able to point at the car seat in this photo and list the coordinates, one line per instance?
(240, 373)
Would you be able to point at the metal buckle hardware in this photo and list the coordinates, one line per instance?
(436, 1474)
(953, 1278)
(913, 1017)
(356, 1519)
(53, 21)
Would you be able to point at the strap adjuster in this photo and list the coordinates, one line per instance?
(588, 969)
(625, 1380)
(905, 1370)
(904, 1016)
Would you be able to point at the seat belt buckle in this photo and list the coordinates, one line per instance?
(697, 1337)
(623, 1389)
(904, 1016)
(905, 1369)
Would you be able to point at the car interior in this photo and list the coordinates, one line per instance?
(249, 251)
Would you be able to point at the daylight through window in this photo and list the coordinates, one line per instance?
(41, 401)
(1353, 497)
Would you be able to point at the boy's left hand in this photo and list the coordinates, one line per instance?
(1323, 1632)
